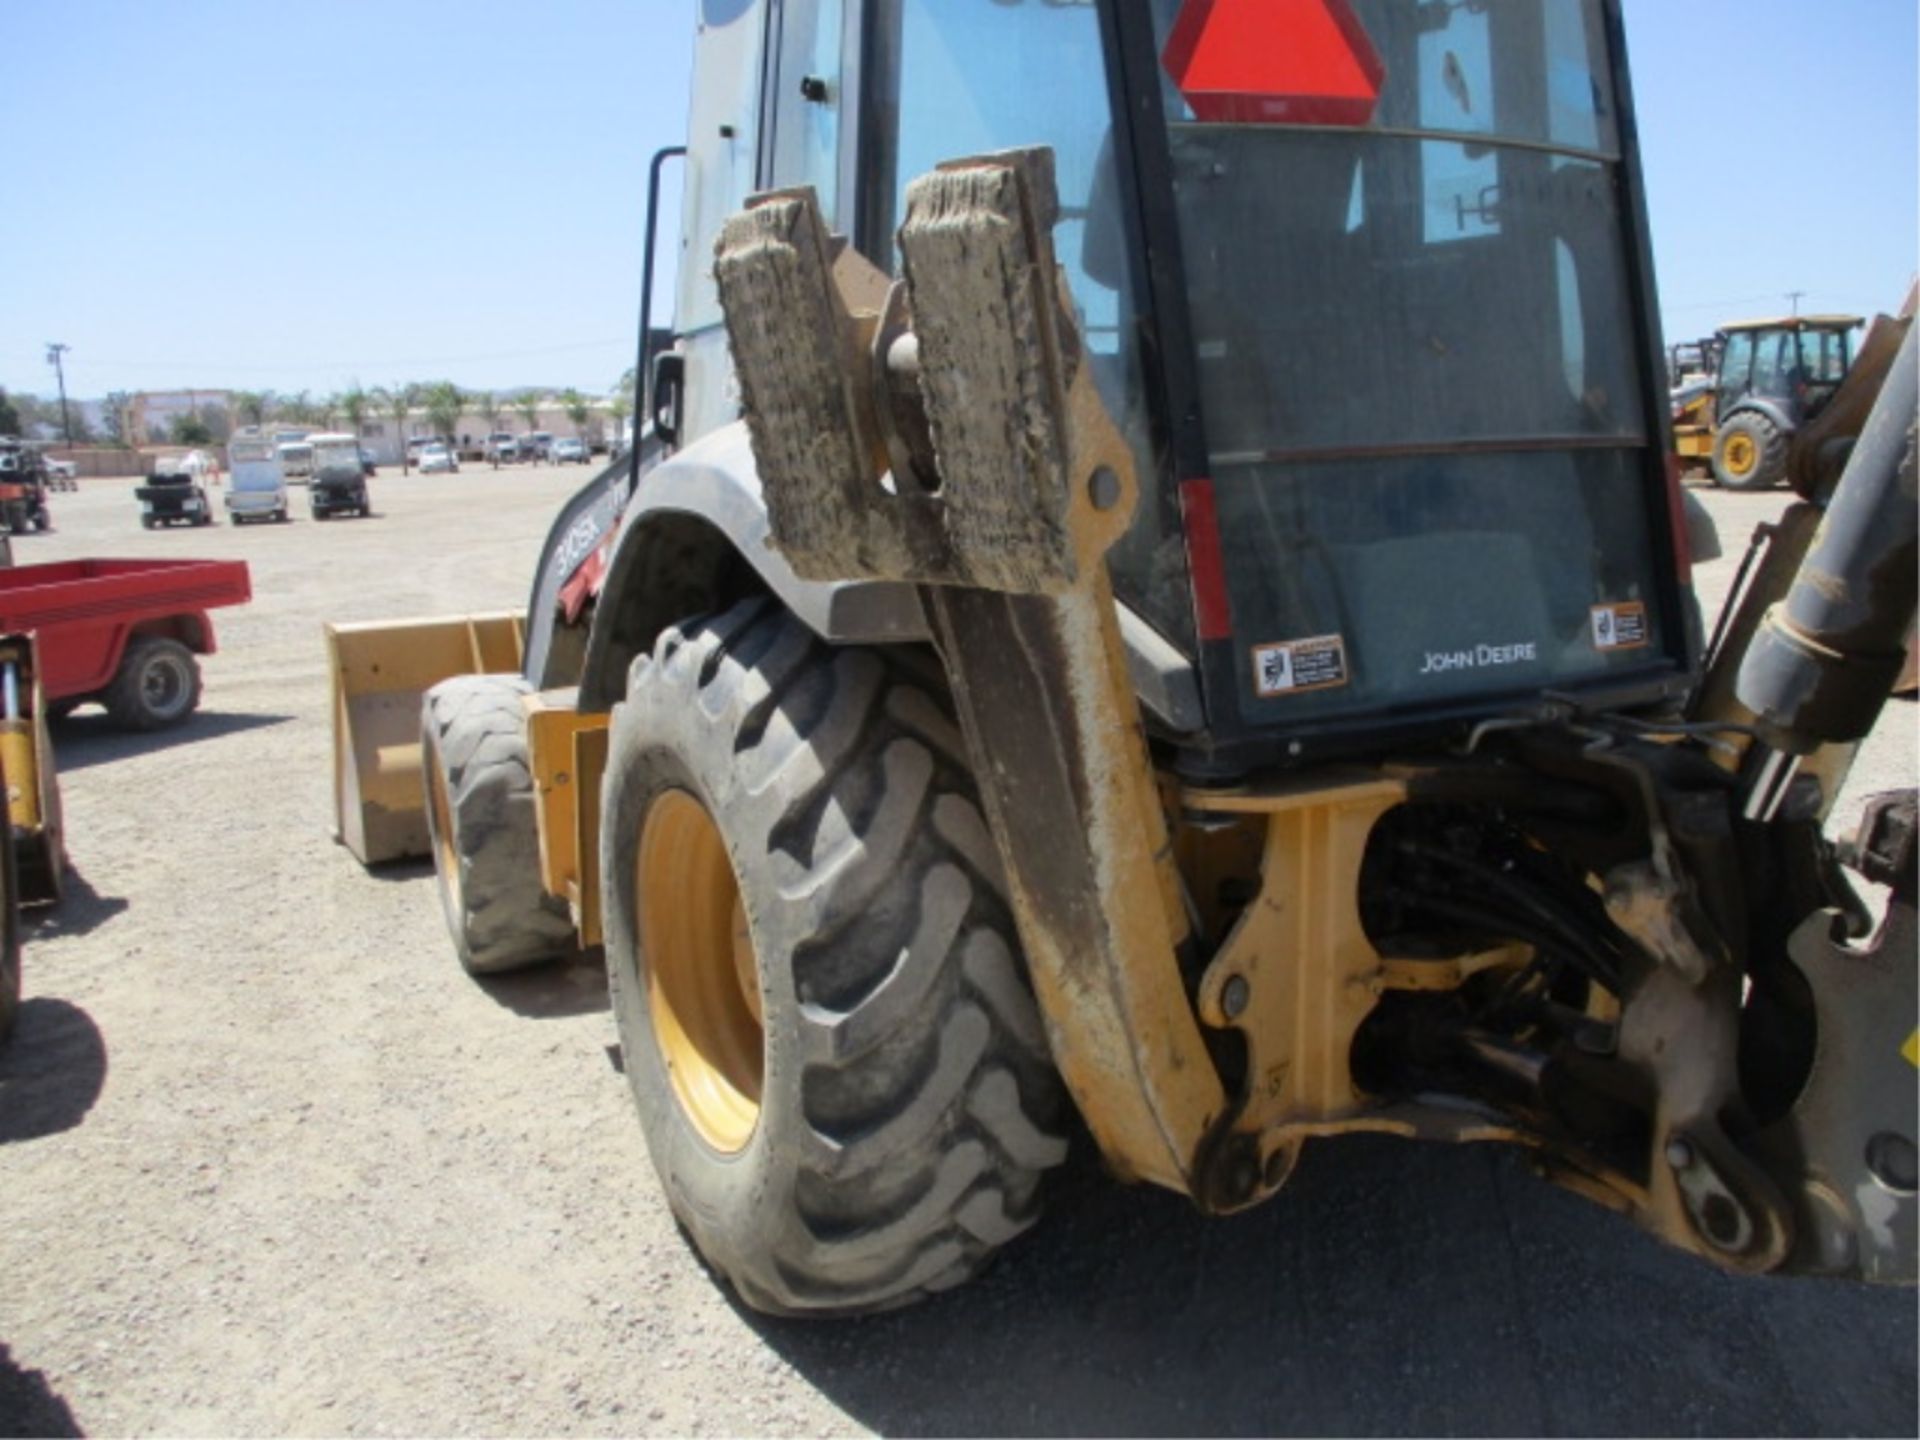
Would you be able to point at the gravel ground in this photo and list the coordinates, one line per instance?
(273, 1165)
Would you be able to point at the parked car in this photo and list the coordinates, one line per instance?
(503, 448)
(339, 479)
(438, 459)
(538, 445)
(173, 497)
(257, 492)
(570, 452)
(296, 459)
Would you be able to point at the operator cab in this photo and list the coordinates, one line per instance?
(1795, 364)
(1393, 376)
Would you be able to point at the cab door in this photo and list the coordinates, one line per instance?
(805, 94)
(766, 107)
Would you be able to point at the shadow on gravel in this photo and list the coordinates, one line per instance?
(51, 1071)
(552, 992)
(28, 1405)
(83, 741)
(82, 909)
(1389, 1289)
(419, 867)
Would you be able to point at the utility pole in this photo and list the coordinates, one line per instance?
(1795, 297)
(54, 352)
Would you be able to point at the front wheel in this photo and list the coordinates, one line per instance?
(157, 684)
(482, 826)
(840, 1070)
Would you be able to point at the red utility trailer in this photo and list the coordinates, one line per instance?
(122, 632)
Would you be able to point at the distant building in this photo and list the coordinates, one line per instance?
(382, 439)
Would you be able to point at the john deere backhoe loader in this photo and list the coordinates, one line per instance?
(1160, 607)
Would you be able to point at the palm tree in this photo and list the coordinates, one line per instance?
(619, 407)
(354, 404)
(527, 402)
(324, 410)
(576, 406)
(486, 405)
(251, 405)
(443, 403)
(398, 401)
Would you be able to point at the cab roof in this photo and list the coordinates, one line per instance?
(1797, 322)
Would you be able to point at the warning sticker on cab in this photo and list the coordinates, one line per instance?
(1295, 666)
(1619, 627)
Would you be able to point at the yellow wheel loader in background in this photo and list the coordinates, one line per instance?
(1155, 600)
(1770, 378)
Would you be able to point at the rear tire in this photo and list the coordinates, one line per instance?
(157, 684)
(907, 1109)
(480, 820)
(1749, 453)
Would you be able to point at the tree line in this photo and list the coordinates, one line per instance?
(443, 404)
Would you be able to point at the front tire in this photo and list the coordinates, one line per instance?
(480, 820)
(1749, 453)
(894, 1125)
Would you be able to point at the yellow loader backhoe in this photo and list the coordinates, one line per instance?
(1770, 378)
(1154, 601)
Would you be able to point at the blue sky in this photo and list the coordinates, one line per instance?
(269, 194)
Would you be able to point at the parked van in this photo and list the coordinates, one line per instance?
(296, 459)
(257, 486)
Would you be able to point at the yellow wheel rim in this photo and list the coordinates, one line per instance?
(445, 856)
(703, 981)
(1741, 454)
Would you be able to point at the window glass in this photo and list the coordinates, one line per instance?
(1736, 365)
(1440, 576)
(1824, 354)
(1416, 349)
(1777, 359)
(1520, 330)
(978, 76)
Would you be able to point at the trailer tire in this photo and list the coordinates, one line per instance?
(480, 820)
(157, 684)
(1749, 453)
(905, 1109)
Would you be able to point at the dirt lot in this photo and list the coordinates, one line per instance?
(273, 1165)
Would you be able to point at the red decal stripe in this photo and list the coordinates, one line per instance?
(1212, 615)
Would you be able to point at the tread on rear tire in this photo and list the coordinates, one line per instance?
(908, 1107)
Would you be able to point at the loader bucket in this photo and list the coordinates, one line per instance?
(380, 672)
